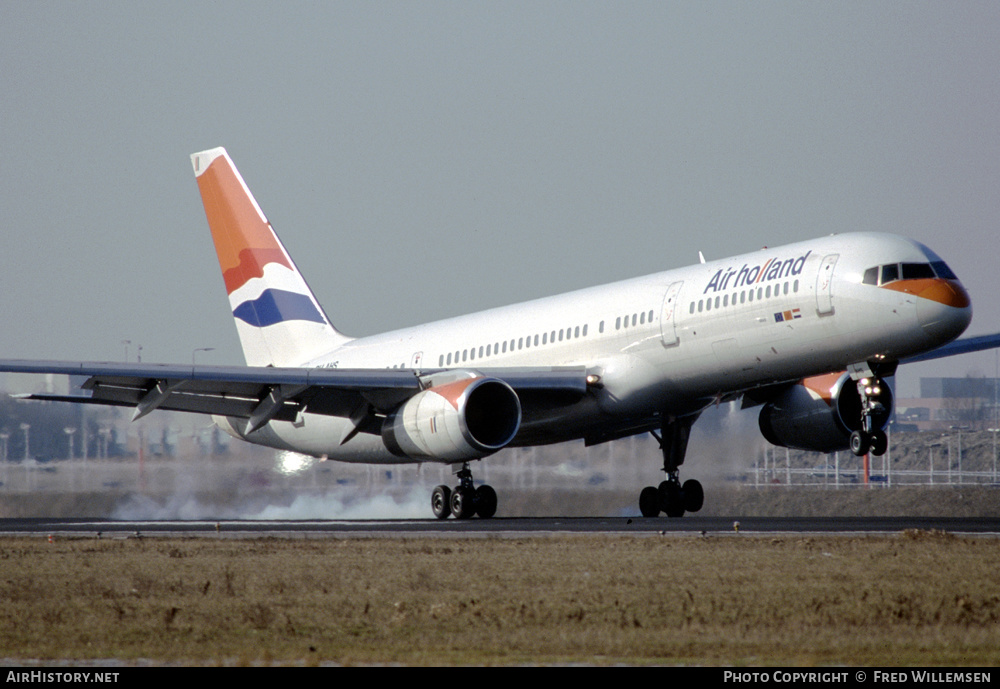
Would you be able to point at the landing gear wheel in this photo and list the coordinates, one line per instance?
(671, 500)
(693, 495)
(859, 443)
(879, 443)
(649, 502)
(486, 502)
(441, 502)
(463, 502)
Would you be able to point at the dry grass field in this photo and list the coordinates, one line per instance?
(913, 599)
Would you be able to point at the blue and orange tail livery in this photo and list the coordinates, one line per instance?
(280, 323)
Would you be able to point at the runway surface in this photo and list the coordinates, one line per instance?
(497, 527)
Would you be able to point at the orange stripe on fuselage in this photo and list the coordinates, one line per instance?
(244, 242)
(947, 292)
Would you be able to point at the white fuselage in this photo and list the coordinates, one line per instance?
(663, 344)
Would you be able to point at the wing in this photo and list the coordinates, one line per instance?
(955, 347)
(262, 394)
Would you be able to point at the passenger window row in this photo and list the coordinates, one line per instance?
(633, 320)
(743, 296)
(520, 343)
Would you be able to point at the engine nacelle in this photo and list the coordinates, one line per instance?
(819, 414)
(456, 421)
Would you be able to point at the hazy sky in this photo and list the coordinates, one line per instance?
(426, 159)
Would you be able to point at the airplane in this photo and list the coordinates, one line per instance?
(810, 332)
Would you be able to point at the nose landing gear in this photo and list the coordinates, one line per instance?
(876, 405)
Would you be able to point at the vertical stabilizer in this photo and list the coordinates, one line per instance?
(279, 321)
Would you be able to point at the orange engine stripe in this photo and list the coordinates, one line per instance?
(453, 391)
(823, 385)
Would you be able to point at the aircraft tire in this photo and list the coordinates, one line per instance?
(441, 502)
(879, 443)
(671, 500)
(693, 494)
(486, 501)
(649, 502)
(859, 443)
(463, 503)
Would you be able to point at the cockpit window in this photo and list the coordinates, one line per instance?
(883, 275)
(943, 271)
(917, 271)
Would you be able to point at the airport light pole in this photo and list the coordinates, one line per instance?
(25, 427)
(69, 431)
(931, 467)
(3, 443)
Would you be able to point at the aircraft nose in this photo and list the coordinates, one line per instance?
(944, 309)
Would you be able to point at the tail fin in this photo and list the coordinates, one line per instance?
(279, 321)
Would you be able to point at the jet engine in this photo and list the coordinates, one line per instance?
(454, 422)
(819, 414)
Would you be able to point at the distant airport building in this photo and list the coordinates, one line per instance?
(948, 403)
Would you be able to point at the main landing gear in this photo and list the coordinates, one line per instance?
(465, 500)
(672, 497)
(875, 404)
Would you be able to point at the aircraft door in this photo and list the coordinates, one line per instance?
(824, 285)
(668, 315)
